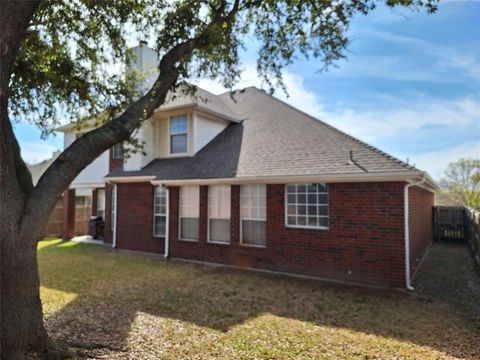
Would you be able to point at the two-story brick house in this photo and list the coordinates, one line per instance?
(244, 179)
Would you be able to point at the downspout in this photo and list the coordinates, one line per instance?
(408, 285)
(167, 224)
(114, 236)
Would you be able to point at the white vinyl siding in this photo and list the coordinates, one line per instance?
(189, 211)
(306, 206)
(253, 215)
(219, 214)
(159, 211)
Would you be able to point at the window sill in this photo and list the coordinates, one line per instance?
(218, 243)
(188, 240)
(253, 246)
(307, 227)
(159, 236)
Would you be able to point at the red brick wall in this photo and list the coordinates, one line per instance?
(365, 242)
(135, 218)
(421, 204)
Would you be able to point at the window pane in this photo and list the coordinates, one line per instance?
(160, 225)
(323, 221)
(189, 201)
(178, 124)
(178, 144)
(322, 198)
(312, 221)
(219, 201)
(322, 187)
(219, 230)
(322, 210)
(189, 228)
(254, 232)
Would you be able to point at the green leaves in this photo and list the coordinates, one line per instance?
(72, 61)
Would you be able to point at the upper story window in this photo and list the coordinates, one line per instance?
(189, 210)
(117, 152)
(307, 206)
(253, 214)
(159, 211)
(219, 214)
(179, 134)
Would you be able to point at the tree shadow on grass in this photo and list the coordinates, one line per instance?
(113, 288)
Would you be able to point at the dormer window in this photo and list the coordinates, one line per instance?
(178, 134)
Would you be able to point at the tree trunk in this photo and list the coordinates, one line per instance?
(22, 318)
(24, 209)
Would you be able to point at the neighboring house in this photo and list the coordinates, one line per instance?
(38, 169)
(83, 202)
(245, 179)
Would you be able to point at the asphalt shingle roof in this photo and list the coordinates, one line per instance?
(273, 139)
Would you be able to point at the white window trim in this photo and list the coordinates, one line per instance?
(241, 226)
(306, 227)
(170, 135)
(208, 219)
(166, 215)
(180, 218)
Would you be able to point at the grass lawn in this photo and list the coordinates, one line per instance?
(150, 309)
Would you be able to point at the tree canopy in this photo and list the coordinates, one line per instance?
(64, 66)
(462, 180)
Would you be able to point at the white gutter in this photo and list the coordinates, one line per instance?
(114, 235)
(285, 179)
(408, 285)
(167, 223)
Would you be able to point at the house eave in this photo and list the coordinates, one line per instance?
(407, 176)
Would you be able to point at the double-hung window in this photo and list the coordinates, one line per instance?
(159, 211)
(307, 206)
(189, 212)
(179, 134)
(101, 203)
(219, 214)
(253, 215)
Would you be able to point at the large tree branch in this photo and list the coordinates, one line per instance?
(89, 146)
(15, 179)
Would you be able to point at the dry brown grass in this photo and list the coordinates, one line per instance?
(152, 309)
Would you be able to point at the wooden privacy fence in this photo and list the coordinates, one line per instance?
(473, 234)
(450, 223)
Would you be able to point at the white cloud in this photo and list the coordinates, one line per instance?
(34, 152)
(447, 56)
(389, 122)
(437, 161)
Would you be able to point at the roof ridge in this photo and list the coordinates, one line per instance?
(323, 123)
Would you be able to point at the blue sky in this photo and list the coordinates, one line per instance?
(410, 86)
